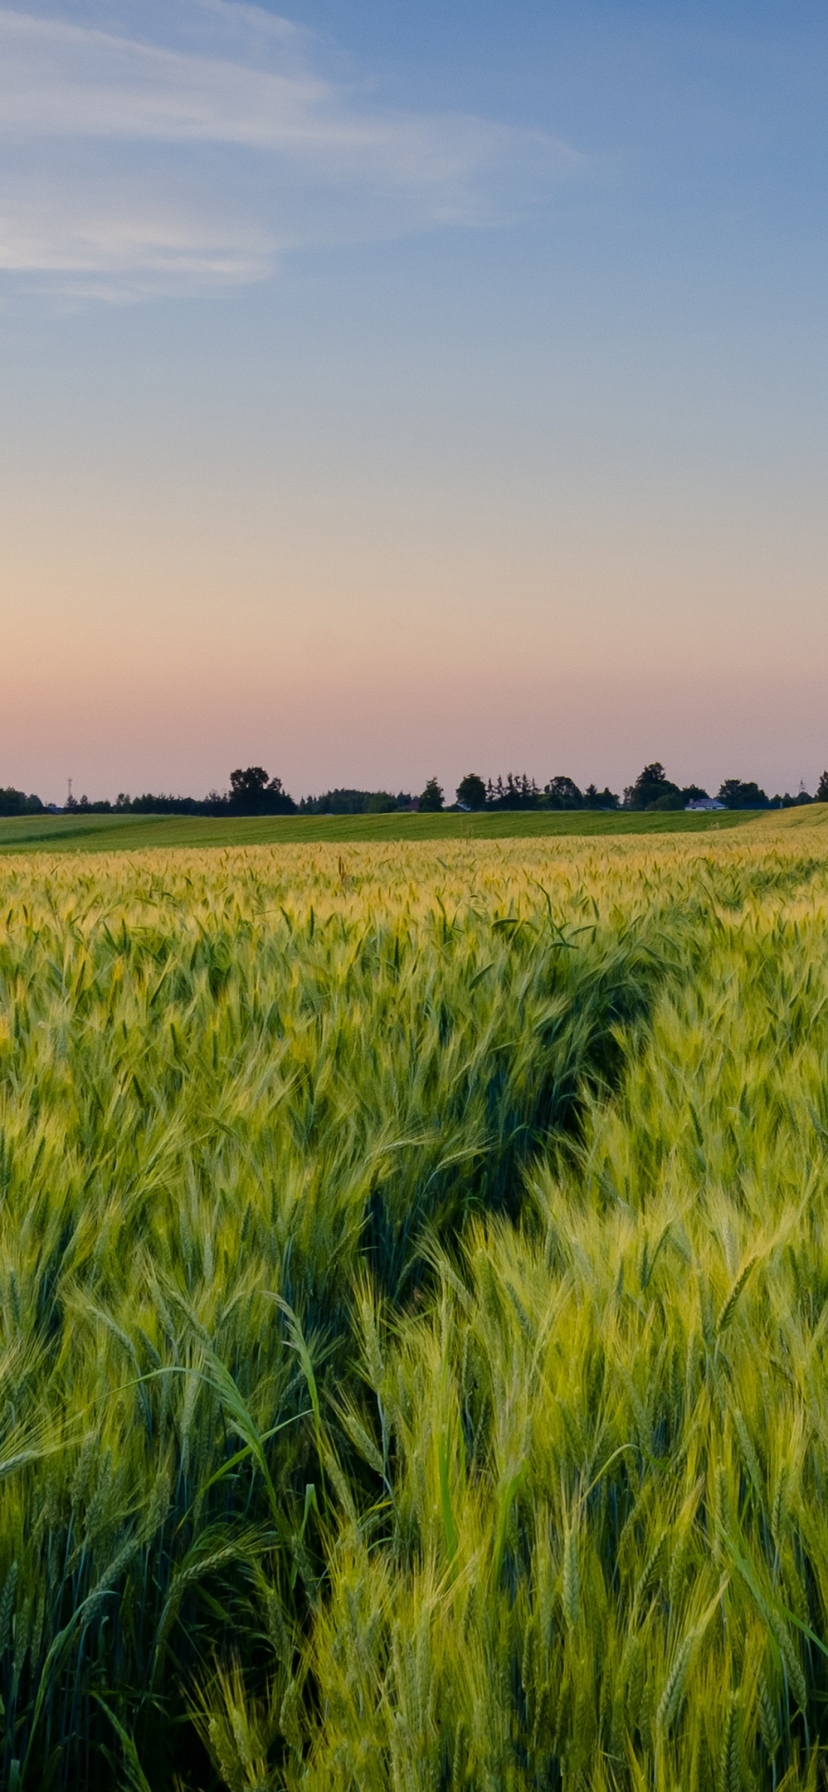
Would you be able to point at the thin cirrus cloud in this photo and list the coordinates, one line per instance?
(194, 155)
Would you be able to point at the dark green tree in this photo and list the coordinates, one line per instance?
(252, 793)
(736, 795)
(600, 799)
(16, 802)
(563, 793)
(248, 783)
(673, 799)
(822, 789)
(650, 786)
(354, 802)
(432, 797)
(471, 792)
(518, 792)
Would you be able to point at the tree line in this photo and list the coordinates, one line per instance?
(253, 792)
(651, 791)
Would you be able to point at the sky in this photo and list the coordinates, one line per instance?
(393, 390)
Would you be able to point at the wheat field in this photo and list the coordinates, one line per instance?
(414, 1298)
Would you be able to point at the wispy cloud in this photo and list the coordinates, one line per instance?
(193, 152)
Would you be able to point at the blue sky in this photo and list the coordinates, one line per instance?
(390, 389)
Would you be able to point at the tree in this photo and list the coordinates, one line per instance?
(251, 793)
(432, 797)
(822, 789)
(354, 802)
(563, 793)
(600, 799)
(736, 795)
(250, 782)
(650, 785)
(16, 802)
(471, 792)
(518, 792)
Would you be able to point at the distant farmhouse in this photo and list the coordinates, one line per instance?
(705, 802)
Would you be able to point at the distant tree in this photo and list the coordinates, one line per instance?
(600, 799)
(529, 794)
(252, 793)
(672, 799)
(250, 782)
(16, 802)
(693, 793)
(563, 793)
(471, 791)
(822, 789)
(353, 802)
(518, 792)
(432, 797)
(214, 804)
(650, 786)
(737, 795)
(787, 801)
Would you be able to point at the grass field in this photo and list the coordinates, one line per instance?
(414, 1297)
(119, 833)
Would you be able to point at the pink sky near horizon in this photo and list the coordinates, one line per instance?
(156, 641)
